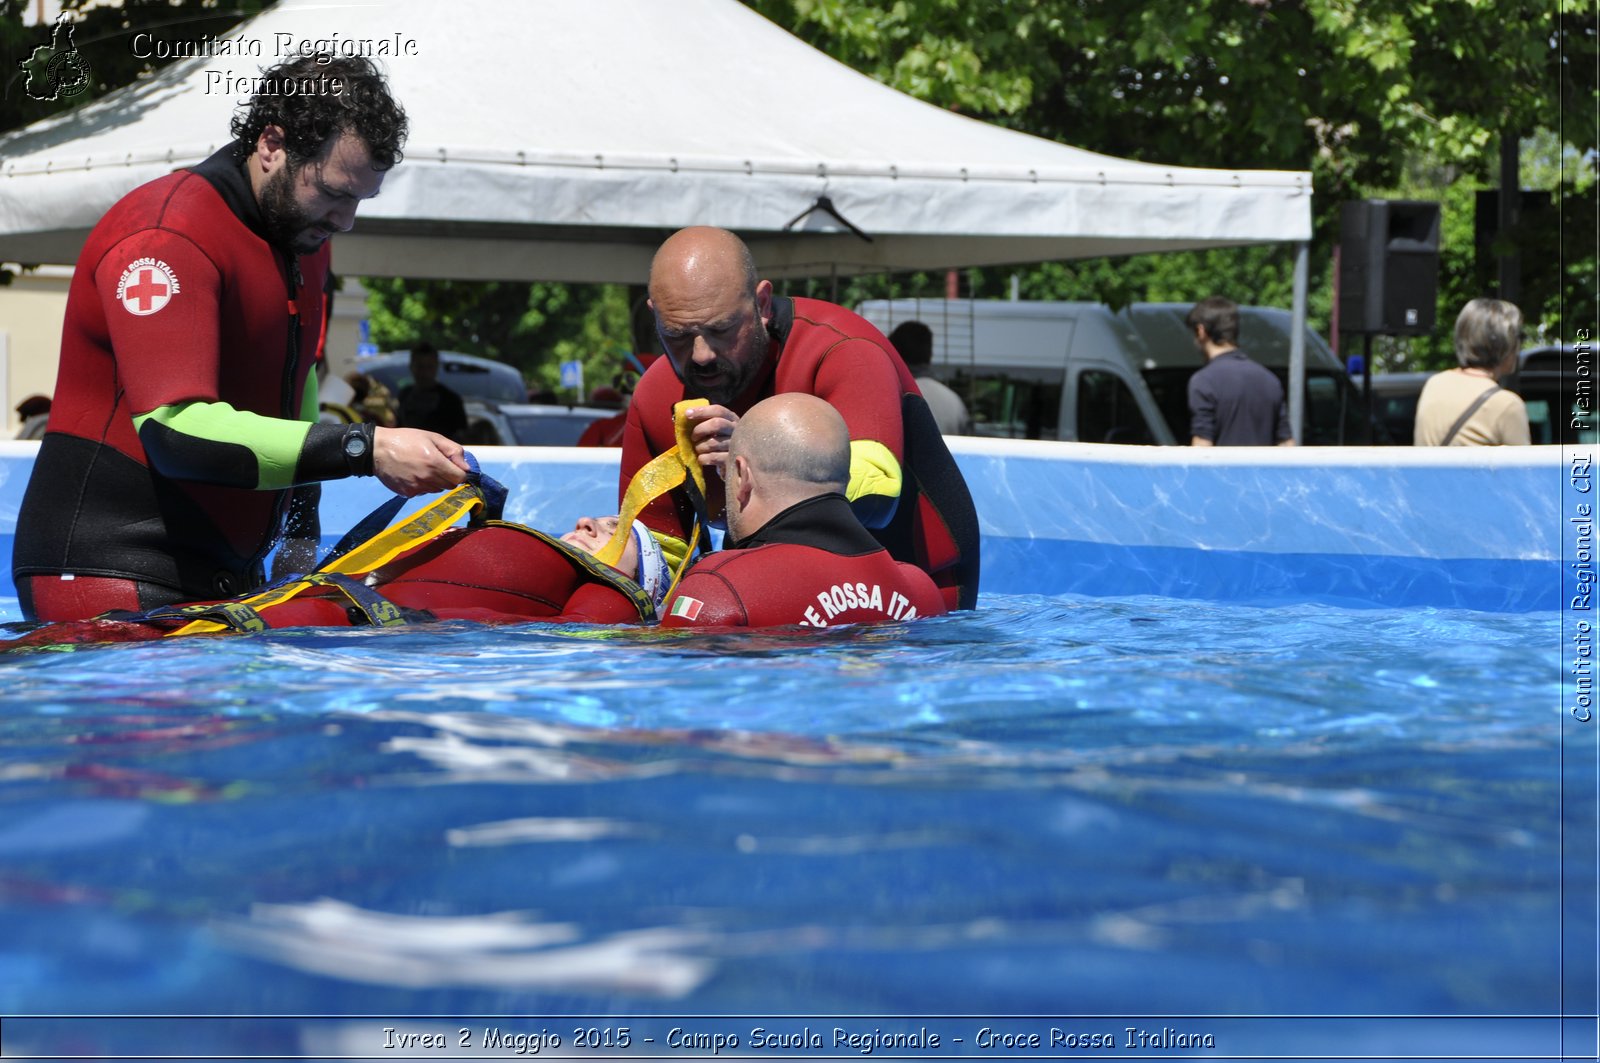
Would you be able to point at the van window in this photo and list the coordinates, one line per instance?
(1011, 405)
(1325, 409)
(1170, 388)
(1394, 406)
(1330, 403)
(1539, 428)
(1559, 398)
(1107, 411)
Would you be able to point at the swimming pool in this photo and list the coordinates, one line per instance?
(1468, 527)
(1065, 812)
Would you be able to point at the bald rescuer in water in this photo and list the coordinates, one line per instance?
(795, 551)
(731, 340)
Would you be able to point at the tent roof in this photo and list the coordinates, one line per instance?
(562, 140)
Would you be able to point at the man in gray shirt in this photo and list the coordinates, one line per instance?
(914, 341)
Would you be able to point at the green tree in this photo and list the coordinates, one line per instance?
(1356, 88)
(1358, 91)
(534, 327)
(103, 36)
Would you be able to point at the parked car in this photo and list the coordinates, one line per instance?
(468, 375)
(1059, 370)
(522, 424)
(1560, 400)
(1394, 403)
(1547, 379)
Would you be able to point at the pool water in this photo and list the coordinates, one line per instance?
(1052, 806)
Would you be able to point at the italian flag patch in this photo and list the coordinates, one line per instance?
(686, 607)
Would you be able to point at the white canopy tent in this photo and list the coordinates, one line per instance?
(564, 139)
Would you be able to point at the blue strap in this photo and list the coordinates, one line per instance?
(494, 492)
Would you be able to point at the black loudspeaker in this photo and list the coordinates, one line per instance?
(1388, 266)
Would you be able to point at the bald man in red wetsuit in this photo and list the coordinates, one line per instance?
(731, 340)
(795, 552)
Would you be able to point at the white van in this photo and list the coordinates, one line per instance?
(1083, 371)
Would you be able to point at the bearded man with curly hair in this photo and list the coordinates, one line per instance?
(184, 443)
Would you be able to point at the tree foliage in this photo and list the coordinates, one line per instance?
(1354, 88)
(104, 34)
(1385, 98)
(1367, 94)
(534, 327)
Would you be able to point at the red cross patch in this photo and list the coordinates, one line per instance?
(147, 285)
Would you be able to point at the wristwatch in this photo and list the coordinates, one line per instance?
(358, 440)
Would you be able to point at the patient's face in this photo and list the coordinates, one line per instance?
(592, 533)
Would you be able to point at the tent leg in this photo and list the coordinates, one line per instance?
(1297, 340)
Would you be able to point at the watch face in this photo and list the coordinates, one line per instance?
(355, 445)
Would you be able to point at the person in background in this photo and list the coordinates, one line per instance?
(1233, 401)
(184, 441)
(730, 339)
(35, 413)
(427, 404)
(795, 552)
(371, 399)
(607, 431)
(335, 397)
(1466, 406)
(914, 341)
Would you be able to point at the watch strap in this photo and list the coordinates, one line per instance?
(360, 457)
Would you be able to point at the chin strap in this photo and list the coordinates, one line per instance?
(678, 467)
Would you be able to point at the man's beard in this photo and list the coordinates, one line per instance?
(736, 377)
(287, 224)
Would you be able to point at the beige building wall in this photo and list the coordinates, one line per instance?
(32, 307)
(344, 330)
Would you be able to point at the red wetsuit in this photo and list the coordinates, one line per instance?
(606, 432)
(813, 565)
(499, 573)
(178, 297)
(828, 351)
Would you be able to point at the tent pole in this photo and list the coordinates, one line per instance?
(1297, 339)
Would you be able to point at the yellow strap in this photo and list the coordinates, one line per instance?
(246, 615)
(426, 524)
(236, 616)
(661, 474)
(683, 565)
